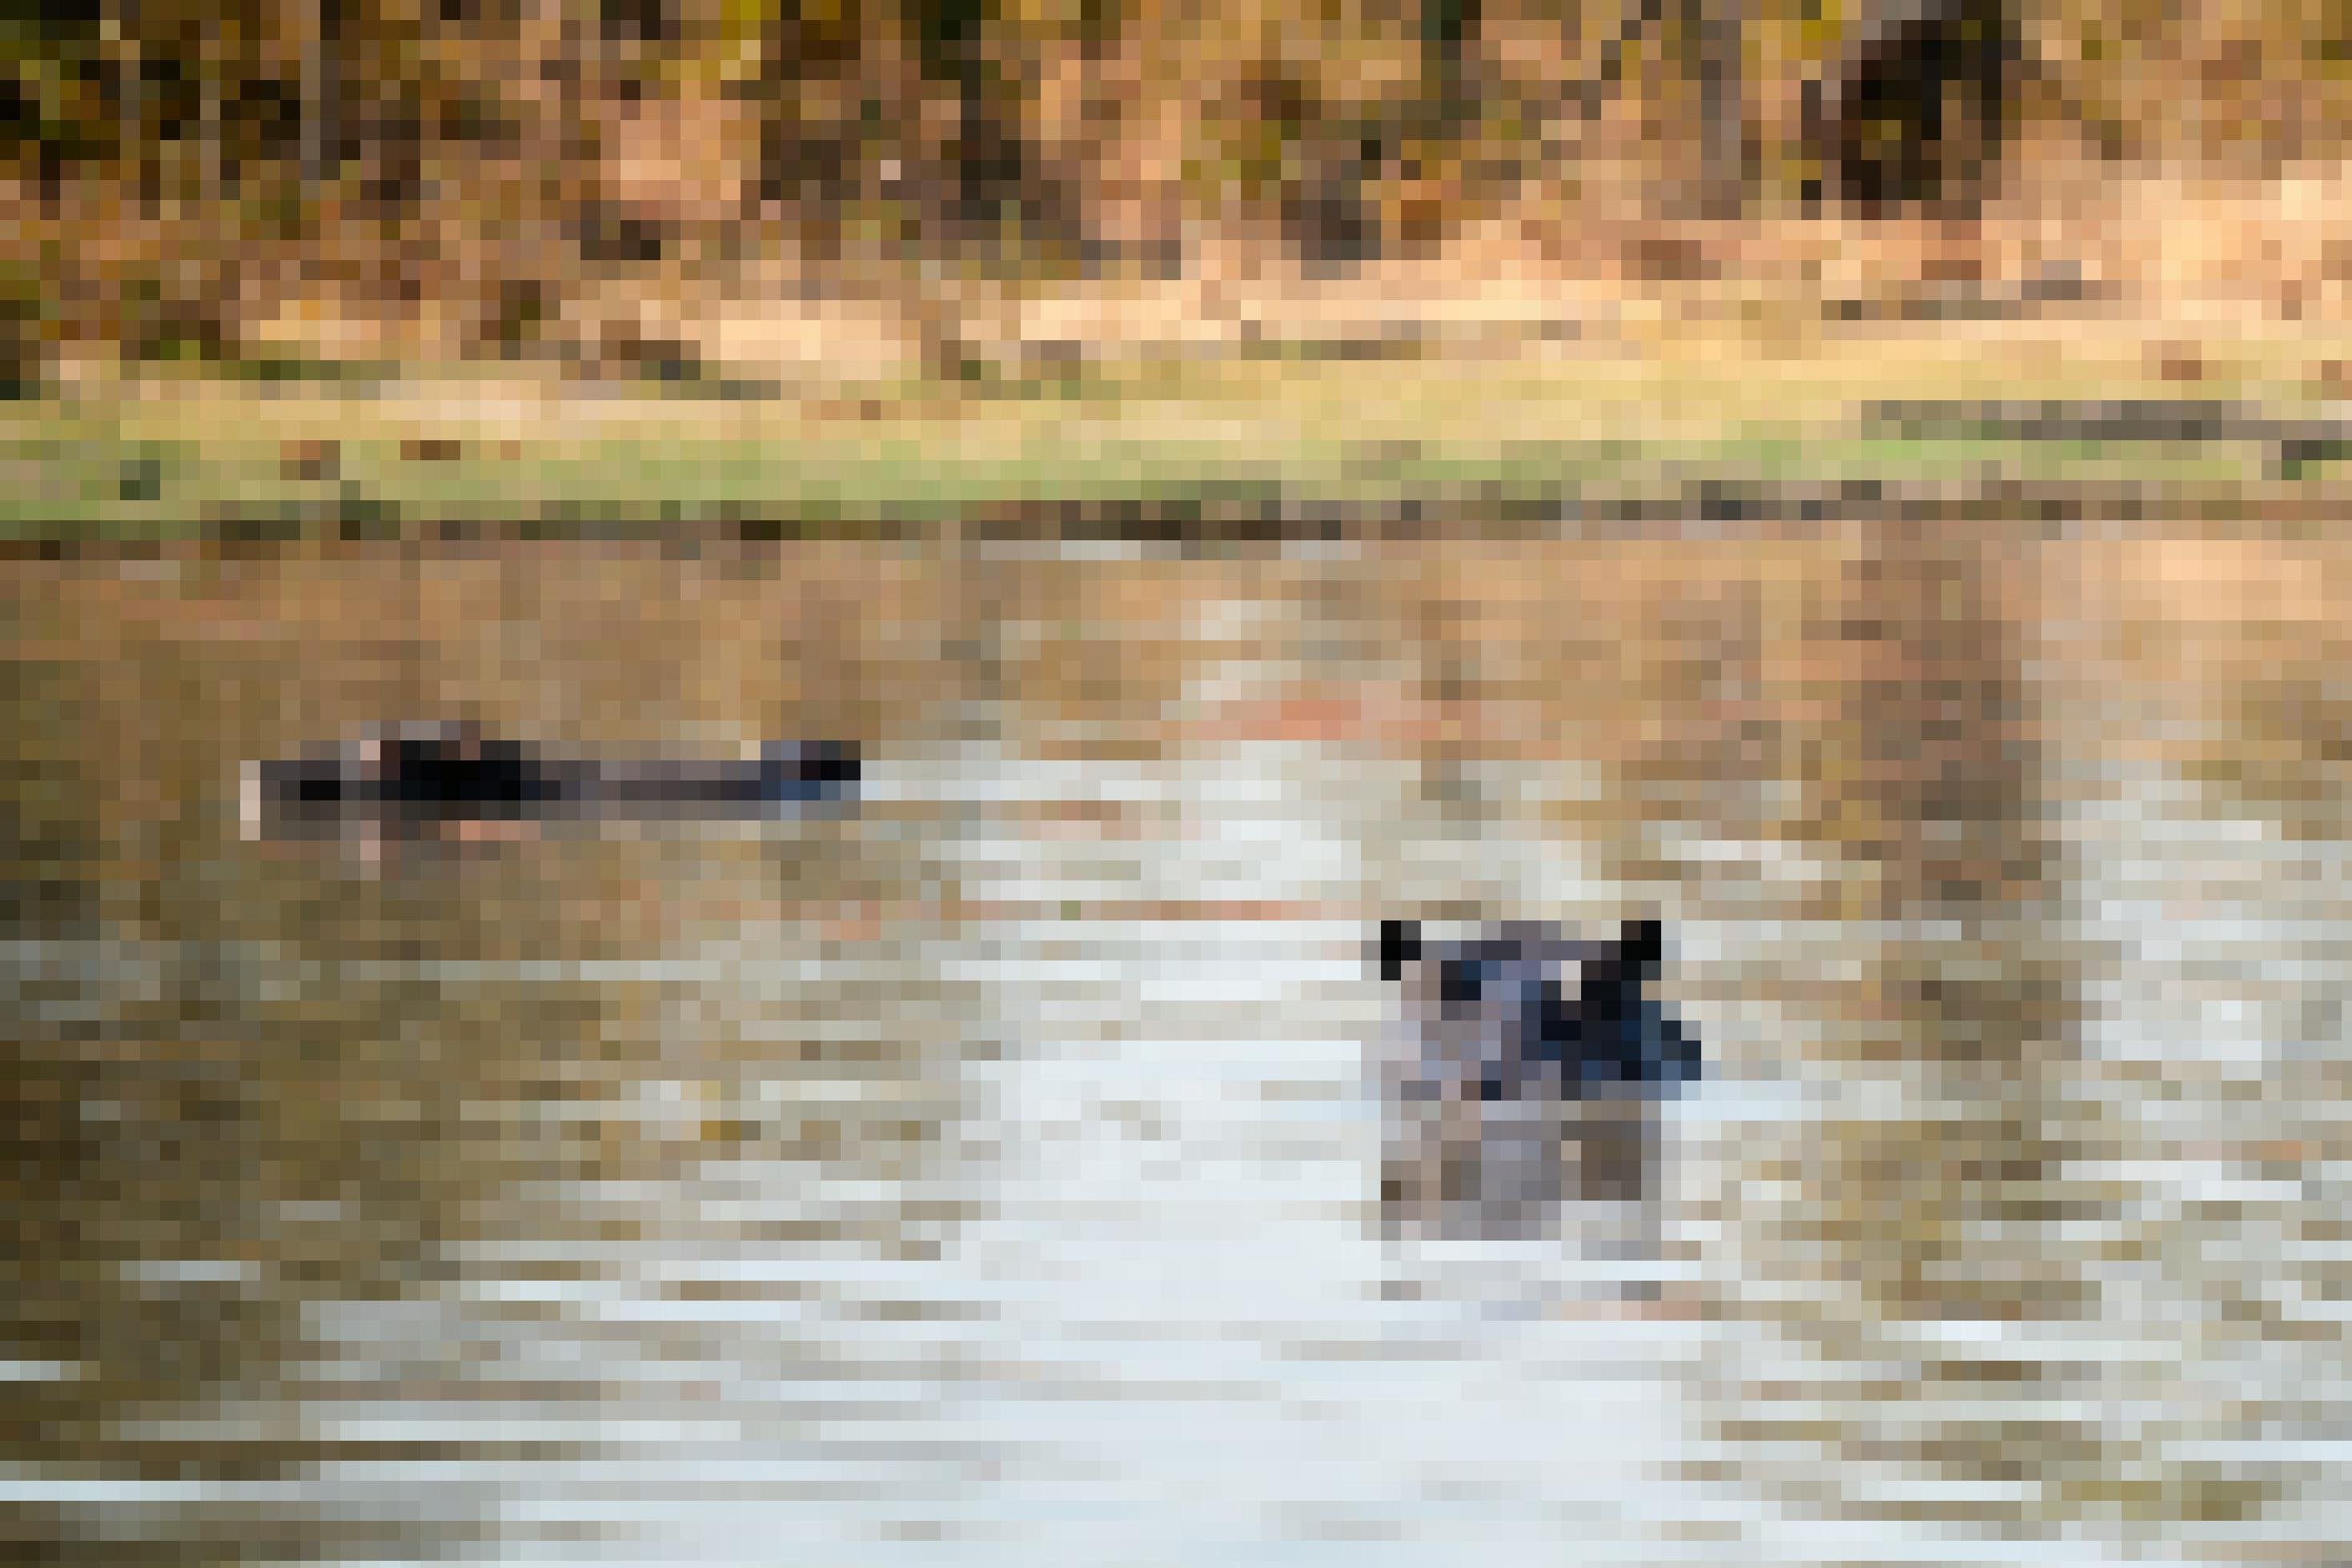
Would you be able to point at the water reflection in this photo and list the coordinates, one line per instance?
(996, 1167)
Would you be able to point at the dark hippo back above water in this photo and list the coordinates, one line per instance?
(428, 777)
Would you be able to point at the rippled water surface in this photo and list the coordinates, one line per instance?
(990, 1173)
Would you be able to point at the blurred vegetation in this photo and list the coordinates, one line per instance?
(179, 170)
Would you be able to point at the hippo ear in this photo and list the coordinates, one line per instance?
(1641, 943)
(1400, 945)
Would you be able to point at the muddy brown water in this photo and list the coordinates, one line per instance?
(990, 1173)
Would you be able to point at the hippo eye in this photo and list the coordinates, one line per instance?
(1461, 981)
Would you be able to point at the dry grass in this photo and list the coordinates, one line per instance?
(1506, 349)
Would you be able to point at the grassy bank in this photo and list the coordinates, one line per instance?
(1651, 410)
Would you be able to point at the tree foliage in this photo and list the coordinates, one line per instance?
(1044, 132)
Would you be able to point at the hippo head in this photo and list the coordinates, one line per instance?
(1519, 1009)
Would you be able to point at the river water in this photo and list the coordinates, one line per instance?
(990, 1173)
